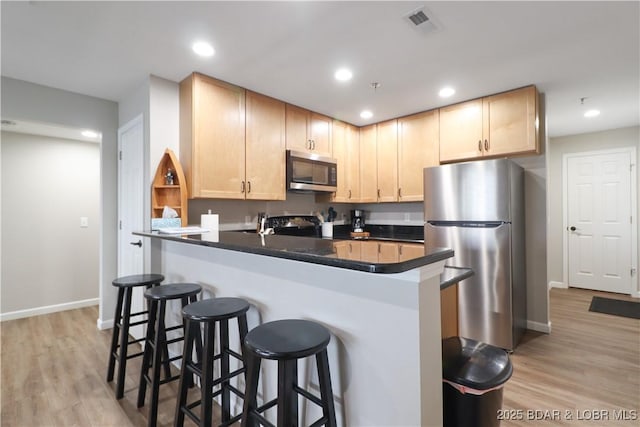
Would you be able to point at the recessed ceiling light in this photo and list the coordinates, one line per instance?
(592, 113)
(90, 134)
(366, 114)
(343, 74)
(203, 49)
(446, 92)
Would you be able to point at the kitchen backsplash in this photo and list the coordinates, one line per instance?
(244, 213)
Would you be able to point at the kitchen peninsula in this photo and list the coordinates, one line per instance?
(385, 352)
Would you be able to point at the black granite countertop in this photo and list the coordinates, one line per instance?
(306, 249)
(453, 275)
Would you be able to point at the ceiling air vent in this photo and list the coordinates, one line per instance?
(421, 20)
(418, 18)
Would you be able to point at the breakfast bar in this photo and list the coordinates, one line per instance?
(384, 317)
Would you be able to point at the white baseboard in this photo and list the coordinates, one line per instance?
(539, 327)
(19, 314)
(561, 285)
(104, 324)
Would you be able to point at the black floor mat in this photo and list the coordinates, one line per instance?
(615, 307)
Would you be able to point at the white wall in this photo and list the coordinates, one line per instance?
(48, 259)
(625, 137)
(30, 102)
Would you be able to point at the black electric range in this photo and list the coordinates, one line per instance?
(295, 225)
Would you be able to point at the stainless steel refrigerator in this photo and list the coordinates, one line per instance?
(477, 209)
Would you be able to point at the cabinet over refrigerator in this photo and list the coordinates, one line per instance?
(477, 209)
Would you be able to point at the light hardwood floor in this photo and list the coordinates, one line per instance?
(54, 366)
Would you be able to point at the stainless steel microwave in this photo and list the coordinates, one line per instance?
(310, 172)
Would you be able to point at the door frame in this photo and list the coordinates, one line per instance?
(631, 151)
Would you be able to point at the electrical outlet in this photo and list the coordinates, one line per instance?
(84, 222)
(407, 217)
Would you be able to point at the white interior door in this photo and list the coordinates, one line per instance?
(131, 208)
(599, 221)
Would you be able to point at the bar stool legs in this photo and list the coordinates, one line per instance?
(207, 313)
(286, 341)
(155, 352)
(122, 322)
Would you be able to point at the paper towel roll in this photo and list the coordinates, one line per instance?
(209, 221)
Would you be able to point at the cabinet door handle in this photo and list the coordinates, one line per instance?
(479, 145)
(400, 250)
(379, 249)
(486, 145)
(378, 193)
(313, 144)
(349, 193)
(399, 192)
(242, 187)
(248, 186)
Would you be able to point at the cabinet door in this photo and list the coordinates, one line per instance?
(345, 140)
(410, 251)
(297, 120)
(418, 148)
(449, 311)
(461, 131)
(511, 123)
(387, 252)
(353, 167)
(387, 153)
(218, 139)
(341, 154)
(369, 251)
(265, 148)
(320, 134)
(368, 165)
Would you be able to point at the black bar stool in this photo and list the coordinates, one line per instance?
(287, 341)
(122, 322)
(155, 349)
(207, 313)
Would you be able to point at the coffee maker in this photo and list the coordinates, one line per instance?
(357, 220)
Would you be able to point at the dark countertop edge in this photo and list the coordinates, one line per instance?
(453, 275)
(367, 267)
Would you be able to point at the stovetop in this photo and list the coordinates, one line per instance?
(294, 225)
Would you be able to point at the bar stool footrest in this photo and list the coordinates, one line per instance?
(308, 395)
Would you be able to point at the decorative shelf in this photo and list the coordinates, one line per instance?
(172, 194)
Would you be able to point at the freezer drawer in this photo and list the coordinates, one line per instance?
(484, 300)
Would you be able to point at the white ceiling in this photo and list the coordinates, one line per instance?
(290, 50)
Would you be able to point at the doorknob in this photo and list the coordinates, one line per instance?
(138, 243)
(572, 228)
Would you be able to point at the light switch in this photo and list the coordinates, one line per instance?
(84, 222)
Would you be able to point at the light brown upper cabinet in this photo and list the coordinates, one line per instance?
(345, 140)
(308, 131)
(387, 161)
(223, 155)
(494, 126)
(265, 148)
(418, 148)
(212, 137)
(368, 164)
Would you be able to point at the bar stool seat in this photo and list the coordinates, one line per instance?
(122, 322)
(155, 349)
(207, 313)
(287, 341)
